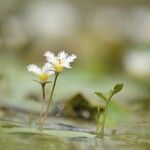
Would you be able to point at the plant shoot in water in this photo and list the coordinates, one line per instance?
(43, 75)
(58, 63)
(55, 65)
(101, 114)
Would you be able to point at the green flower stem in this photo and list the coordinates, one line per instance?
(42, 120)
(51, 95)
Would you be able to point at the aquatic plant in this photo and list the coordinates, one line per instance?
(56, 64)
(102, 113)
(43, 75)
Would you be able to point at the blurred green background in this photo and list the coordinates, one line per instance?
(112, 41)
(110, 37)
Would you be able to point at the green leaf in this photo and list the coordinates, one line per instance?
(101, 95)
(117, 88)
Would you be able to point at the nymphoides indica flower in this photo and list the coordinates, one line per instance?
(42, 73)
(59, 62)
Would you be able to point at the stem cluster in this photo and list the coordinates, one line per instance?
(43, 112)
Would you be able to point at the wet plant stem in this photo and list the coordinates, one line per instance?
(51, 96)
(101, 121)
(42, 120)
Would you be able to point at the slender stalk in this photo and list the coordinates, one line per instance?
(51, 96)
(42, 120)
(99, 121)
(102, 120)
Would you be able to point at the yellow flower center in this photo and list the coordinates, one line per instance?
(43, 77)
(59, 68)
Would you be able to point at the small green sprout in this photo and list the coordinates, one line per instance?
(102, 113)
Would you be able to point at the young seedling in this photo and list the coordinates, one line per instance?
(43, 75)
(58, 63)
(102, 113)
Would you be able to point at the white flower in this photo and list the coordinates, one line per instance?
(61, 61)
(43, 73)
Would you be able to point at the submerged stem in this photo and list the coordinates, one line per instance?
(104, 120)
(101, 121)
(51, 96)
(42, 120)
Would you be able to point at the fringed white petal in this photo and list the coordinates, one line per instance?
(71, 58)
(67, 65)
(50, 57)
(68, 60)
(62, 55)
(47, 68)
(34, 68)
